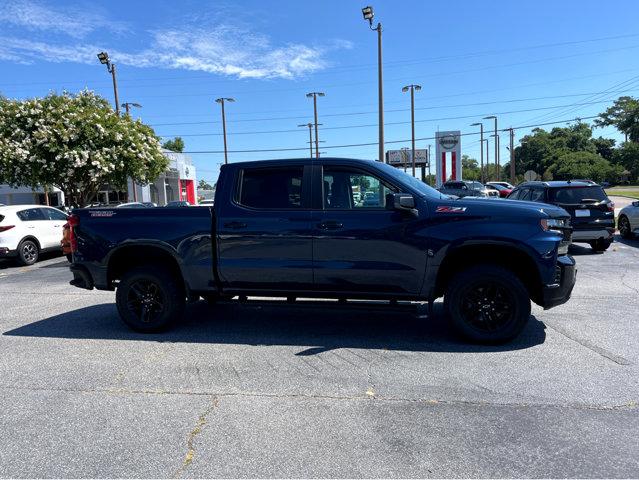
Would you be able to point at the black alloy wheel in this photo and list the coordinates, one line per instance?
(624, 227)
(28, 252)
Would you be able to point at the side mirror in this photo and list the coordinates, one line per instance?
(403, 201)
(635, 204)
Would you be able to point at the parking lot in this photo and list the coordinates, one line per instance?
(318, 389)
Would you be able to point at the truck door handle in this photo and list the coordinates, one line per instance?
(330, 225)
(235, 225)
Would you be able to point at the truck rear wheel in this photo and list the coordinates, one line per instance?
(149, 299)
(487, 304)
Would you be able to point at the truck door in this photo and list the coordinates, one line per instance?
(360, 246)
(264, 230)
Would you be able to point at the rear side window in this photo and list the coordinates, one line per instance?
(271, 188)
(576, 195)
(31, 214)
(537, 195)
(53, 214)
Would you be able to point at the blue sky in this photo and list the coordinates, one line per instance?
(527, 62)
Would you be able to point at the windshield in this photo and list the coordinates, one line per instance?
(411, 181)
(575, 195)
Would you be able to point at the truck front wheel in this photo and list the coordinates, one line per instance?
(487, 304)
(149, 299)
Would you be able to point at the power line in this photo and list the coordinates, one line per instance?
(460, 117)
(194, 152)
(213, 122)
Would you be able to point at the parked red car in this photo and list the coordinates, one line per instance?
(500, 187)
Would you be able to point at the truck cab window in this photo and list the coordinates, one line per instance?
(271, 188)
(348, 189)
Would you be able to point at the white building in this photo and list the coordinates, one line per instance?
(27, 196)
(177, 183)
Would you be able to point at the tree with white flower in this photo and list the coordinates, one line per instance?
(76, 143)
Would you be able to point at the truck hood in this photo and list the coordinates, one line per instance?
(511, 207)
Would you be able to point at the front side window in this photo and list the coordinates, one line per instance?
(271, 188)
(352, 189)
(31, 214)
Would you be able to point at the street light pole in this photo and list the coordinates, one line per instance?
(104, 60)
(428, 160)
(412, 89)
(221, 101)
(368, 14)
(481, 149)
(496, 144)
(314, 96)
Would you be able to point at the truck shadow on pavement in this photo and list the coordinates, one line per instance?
(315, 326)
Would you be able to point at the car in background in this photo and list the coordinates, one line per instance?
(178, 203)
(207, 202)
(150, 204)
(591, 211)
(467, 189)
(628, 221)
(28, 230)
(501, 190)
(503, 184)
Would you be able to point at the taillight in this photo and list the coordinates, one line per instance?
(4, 228)
(611, 206)
(73, 221)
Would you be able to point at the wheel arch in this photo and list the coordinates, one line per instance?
(129, 256)
(33, 239)
(506, 256)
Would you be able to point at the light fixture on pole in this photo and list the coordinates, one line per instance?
(496, 135)
(368, 14)
(104, 60)
(314, 96)
(127, 106)
(222, 101)
(481, 148)
(412, 89)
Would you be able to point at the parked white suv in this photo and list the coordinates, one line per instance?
(628, 220)
(28, 230)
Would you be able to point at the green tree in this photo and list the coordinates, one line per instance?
(628, 157)
(586, 165)
(175, 145)
(76, 143)
(470, 168)
(624, 116)
(605, 147)
(204, 185)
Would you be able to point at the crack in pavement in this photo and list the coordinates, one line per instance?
(190, 439)
(629, 405)
(618, 359)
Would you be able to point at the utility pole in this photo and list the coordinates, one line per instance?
(127, 106)
(104, 60)
(309, 125)
(221, 101)
(314, 96)
(428, 160)
(512, 155)
(368, 14)
(481, 149)
(493, 117)
(412, 89)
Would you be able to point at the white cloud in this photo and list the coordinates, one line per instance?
(33, 15)
(223, 49)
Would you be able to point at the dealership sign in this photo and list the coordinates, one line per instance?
(399, 158)
(448, 146)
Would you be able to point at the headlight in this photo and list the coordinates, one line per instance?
(555, 224)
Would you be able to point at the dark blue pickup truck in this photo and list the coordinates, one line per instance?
(330, 228)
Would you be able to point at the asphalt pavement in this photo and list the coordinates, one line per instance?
(318, 389)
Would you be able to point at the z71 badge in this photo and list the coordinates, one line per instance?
(450, 209)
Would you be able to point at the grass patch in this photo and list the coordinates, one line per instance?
(626, 191)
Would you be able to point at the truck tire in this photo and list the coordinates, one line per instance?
(487, 304)
(600, 245)
(149, 299)
(28, 252)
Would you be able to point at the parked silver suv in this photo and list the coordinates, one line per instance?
(467, 189)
